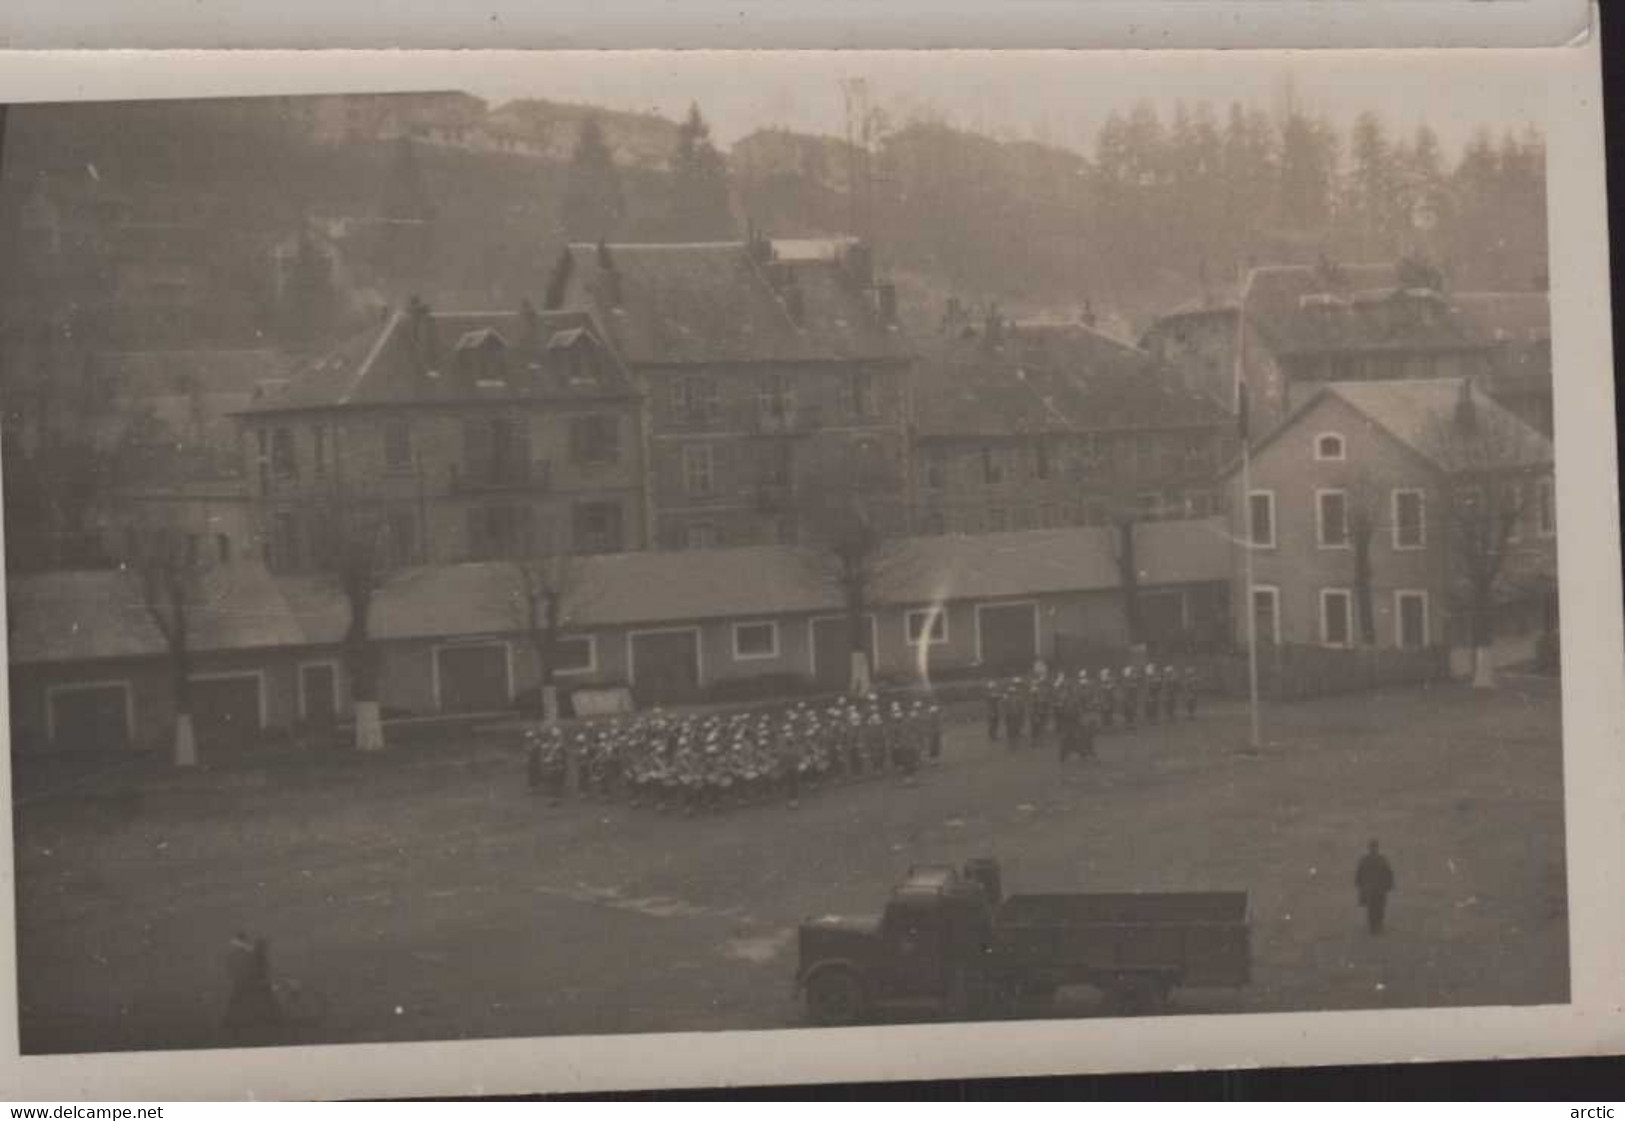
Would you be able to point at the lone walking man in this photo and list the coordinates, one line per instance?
(1374, 879)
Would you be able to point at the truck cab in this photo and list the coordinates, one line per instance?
(935, 926)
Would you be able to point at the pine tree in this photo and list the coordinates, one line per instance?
(1308, 170)
(593, 206)
(699, 184)
(1372, 188)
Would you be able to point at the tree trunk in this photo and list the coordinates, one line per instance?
(185, 741)
(1362, 590)
(1483, 644)
(1128, 571)
(859, 682)
(369, 726)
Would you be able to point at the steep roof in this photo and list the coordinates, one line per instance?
(1051, 381)
(1419, 414)
(1302, 309)
(714, 302)
(385, 365)
(90, 615)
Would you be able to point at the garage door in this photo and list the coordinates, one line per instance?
(473, 678)
(226, 711)
(1009, 636)
(90, 718)
(832, 653)
(666, 667)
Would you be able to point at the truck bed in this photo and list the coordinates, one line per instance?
(1194, 938)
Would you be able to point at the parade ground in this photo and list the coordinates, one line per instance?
(428, 895)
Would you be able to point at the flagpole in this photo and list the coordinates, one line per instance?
(1243, 409)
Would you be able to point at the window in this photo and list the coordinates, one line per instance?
(992, 467)
(597, 527)
(699, 474)
(319, 439)
(1410, 528)
(495, 451)
(1411, 620)
(858, 395)
(1546, 508)
(595, 439)
(1331, 519)
(574, 654)
(1329, 445)
(495, 532)
(1261, 516)
(1267, 612)
(928, 625)
(997, 522)
(1041, 460)
(775, 403)
(935, 468)
(694, 399)
(286, 552)
(773, 464)
(700, 535)
(755, 640)
(1145, 455)
(1149, 505)
(403, 537)
(284, 463)
(397, 445)
(1335, 624)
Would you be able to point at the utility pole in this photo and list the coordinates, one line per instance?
(1243, 408)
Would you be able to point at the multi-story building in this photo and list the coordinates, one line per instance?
(467, 436)
(1020, 426)
(1393, 491)
(1304, 326)
(767, 370)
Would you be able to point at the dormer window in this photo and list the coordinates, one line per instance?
(482, 356)
(1329, 446)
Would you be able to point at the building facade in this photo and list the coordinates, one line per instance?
(1020, 427)
(1367, 497)
(461, 436)
(768, 375)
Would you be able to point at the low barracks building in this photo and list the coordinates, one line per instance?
(90, 671)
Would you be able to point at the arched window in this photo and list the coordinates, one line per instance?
(1329, 445)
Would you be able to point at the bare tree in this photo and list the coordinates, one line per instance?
(1493, 461)
(1364, 514)
(352, 550)
(851, 512)
(170, 570)
(547, 588)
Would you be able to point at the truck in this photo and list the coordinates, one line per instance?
(949, 942)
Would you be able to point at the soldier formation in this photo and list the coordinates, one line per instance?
(1024, 709)
(715, 761)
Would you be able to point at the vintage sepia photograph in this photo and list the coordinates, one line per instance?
(646, 544)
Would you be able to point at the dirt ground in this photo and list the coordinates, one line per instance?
(427, 895)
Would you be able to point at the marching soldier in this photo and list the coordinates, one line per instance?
(1015, 712)
(934, 731)
(1041, 701)
(1067, 713)
(995, 708)
(1189, 681)
(1108, 699)
(1130, 696)
(1153, 694)
(1170, 693)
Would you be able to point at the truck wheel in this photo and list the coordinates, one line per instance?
(834, 997)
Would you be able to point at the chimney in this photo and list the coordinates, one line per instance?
(609, 278)
(1466, 409)
(420, 324)
(530, 326)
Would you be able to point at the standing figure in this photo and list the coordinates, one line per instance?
(1107, 695)
(533, 760)
(1015, 713)
(1130, 695)
(995, 708)
(1373, 880)
(1170, 693)
(1153, 694)
(1190, 682)
(1067, 717)
(934, 731)
(1041, 702)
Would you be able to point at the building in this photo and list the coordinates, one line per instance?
(89, 668)
(1521, 367)
(1020, 426)
(1406, 482)
(1306, 325)
(766, 375)
(468, 436)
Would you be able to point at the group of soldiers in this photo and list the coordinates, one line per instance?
(714, 761)
(1078, 705)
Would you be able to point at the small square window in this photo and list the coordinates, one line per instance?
(574, 654)
(1329, 445)
(756, 640)
(928, 625)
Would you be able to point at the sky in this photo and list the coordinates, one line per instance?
(1055, 97)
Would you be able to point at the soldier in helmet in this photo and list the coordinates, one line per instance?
(1041, 702)
(1153, 693)
(1189, 685)
(1015, 712)
(1066, 719)
(933, 729)
(994, 695)
(1106, 693)
(1170, 693)
(1088, 713)
(1130, 696)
